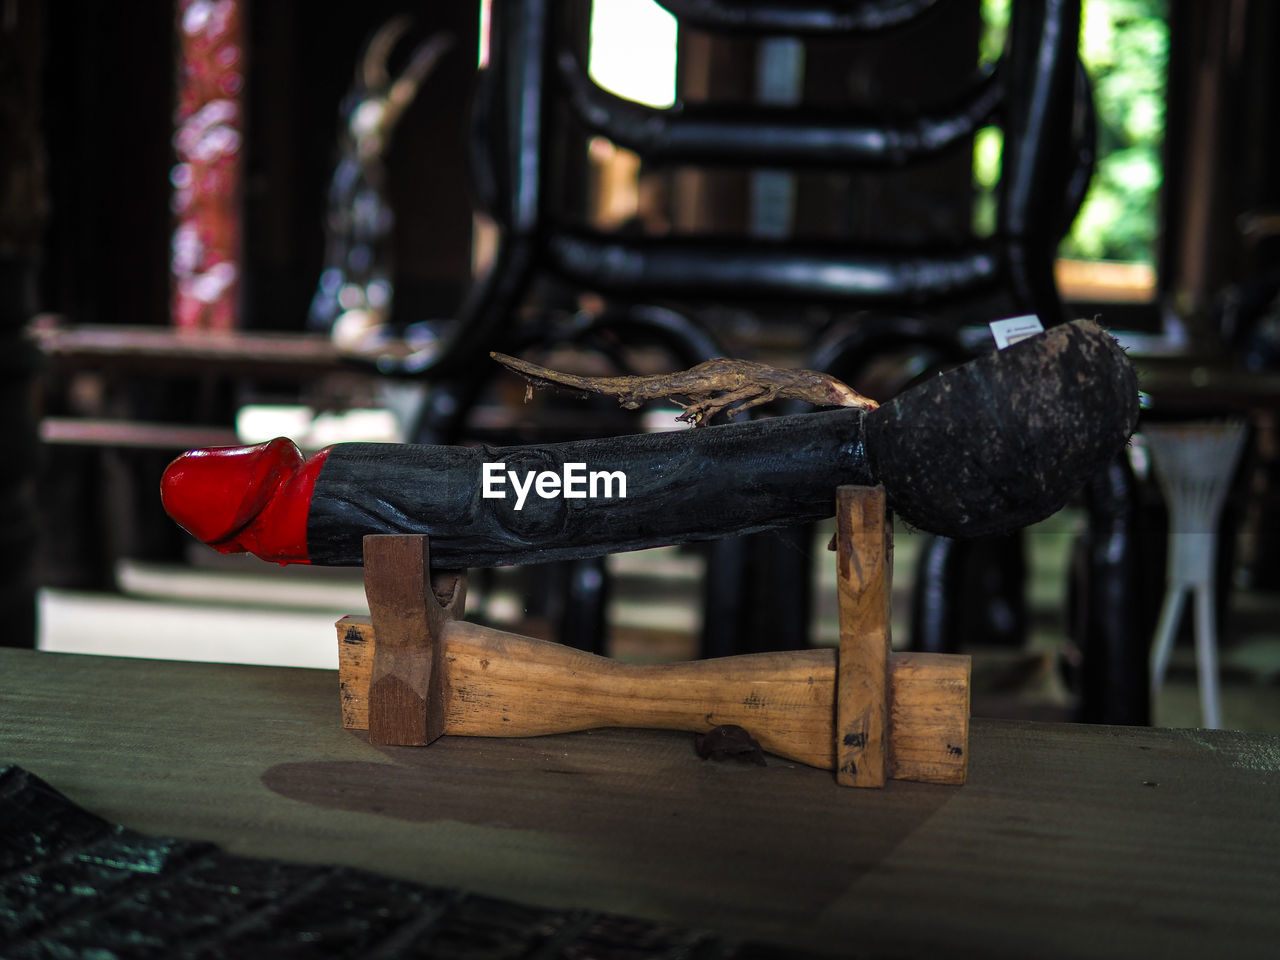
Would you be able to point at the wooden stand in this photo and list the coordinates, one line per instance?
(864, 584)
(412, 671)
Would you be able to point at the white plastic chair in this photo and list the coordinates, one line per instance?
(1194, 464)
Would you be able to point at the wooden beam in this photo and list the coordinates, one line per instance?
(407, 673)
(864, 580)
(928, 732)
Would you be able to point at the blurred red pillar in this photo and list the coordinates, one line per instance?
(208, 141)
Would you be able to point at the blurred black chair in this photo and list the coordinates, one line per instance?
(1037, 94)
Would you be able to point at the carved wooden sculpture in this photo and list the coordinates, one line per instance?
(988, 447)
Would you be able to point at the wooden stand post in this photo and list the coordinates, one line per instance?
(413, 671)
(406, 682)
(864, 580)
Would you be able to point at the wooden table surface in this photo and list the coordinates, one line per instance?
(1066, 840)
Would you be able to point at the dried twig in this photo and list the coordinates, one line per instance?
(704, 390)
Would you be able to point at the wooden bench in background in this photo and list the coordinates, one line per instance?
(117, 401)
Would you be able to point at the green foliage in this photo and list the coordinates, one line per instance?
(995, 27)
(1125, 48)
(988, 144)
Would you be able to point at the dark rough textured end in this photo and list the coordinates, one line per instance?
(1005, 440)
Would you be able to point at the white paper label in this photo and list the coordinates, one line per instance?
(1013, 329)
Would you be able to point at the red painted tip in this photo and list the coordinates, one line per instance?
(218, 493)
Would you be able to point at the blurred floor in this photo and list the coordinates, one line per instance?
(241, 610)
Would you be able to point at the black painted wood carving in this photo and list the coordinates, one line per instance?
(986, 448)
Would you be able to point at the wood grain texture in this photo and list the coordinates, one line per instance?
(864, 574)
(406, 692)
(929, 717)
(1067, 839)
(505, 685)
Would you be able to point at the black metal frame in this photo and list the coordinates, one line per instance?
(1038, 93)
(1035, 94)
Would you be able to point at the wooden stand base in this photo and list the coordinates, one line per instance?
(411, 672)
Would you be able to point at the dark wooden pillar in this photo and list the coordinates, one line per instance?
(1221, 144)
(915, 65)
(719, 69)
(22, 215)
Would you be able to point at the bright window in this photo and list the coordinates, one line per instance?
(633, 50)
